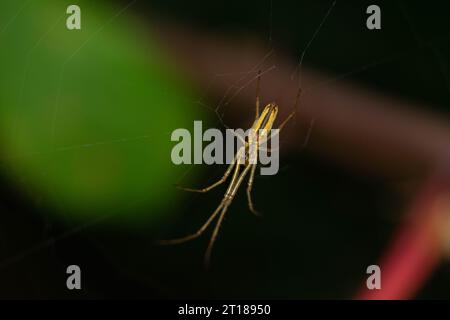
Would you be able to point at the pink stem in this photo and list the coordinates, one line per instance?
(417, 248)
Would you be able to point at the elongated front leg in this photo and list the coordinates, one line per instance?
(293, 113)
(229, 196)
(258, 83)
(221, 180)
(249, 191)
(196, 234)
(305, 141)
(208, 252)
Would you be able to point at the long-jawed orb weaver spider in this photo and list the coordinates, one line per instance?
(244, 162)
(261, 126)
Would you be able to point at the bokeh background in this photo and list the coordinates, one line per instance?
(85, 170)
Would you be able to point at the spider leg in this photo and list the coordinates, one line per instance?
(249, 190)
(214, 235)
(293, 113)
(305, 141)
(225, 203)
(217, 183)
(195, 234)
(258, 83)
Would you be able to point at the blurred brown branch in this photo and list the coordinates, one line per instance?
(360, 128)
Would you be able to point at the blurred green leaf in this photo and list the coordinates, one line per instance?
(86, 115)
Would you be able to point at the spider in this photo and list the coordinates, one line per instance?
(244, 163)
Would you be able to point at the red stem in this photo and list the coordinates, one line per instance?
(417, 247)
